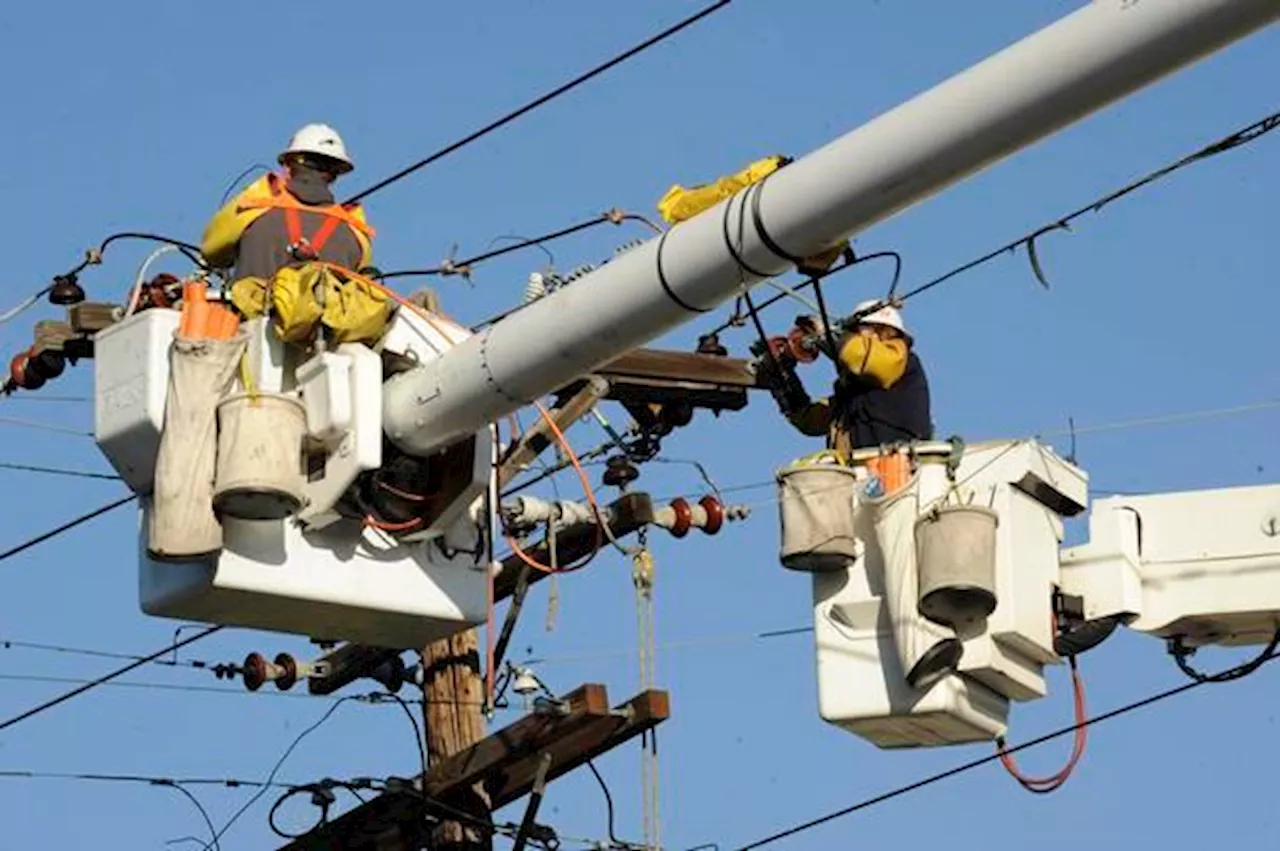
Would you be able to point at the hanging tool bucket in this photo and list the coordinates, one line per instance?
(956, 549)
(815, 503)
(259, 475)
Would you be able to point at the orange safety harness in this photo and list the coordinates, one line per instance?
(300, 246)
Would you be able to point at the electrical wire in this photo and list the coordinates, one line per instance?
(65, 527)
(321, 795)
(1239, 138)
(14, 644)
(58, 471)
(540, 100)
(608, 802)
(974, 764)
(39, 397)
(276, 768)
(462, 267)
(418, 738)
(736, 320)
(149, 780)
(1045, 785)
(58, 429)
(204, 814)
(92, 684)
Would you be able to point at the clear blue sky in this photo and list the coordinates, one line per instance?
(136, 116)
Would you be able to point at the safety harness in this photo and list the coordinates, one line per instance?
(304, 248)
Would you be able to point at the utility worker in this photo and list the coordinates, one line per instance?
(881, 393)
(291, 218)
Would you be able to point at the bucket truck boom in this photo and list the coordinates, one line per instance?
(347, 551)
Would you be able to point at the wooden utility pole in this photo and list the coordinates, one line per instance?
(453, 694)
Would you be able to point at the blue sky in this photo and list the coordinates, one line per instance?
(136, 116)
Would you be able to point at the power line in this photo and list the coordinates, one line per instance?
(14, 644)
(542, 99)
(42, 426)
(58, 471)
(92, 684)
(43, 678)
(463, 267)
(65, 527)
(230, 783)
(1239, 138)
(275, 769)
(978, 763)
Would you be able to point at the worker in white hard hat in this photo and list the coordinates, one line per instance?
(291, 218)
(881, 393)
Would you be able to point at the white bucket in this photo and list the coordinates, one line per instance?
(956, 548)
(259, 473)
(815, 505)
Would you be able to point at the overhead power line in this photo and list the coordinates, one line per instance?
(995, 757)
(58, 471)
(1230, 142)
(65, 527)
(53, 427)
(103, 680)
(230, 783)
(541, 100)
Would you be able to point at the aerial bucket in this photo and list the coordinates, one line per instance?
(816, 509)
(956, 552)
(928, 652)
(259, 473)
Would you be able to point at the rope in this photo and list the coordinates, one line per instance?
(642, 577)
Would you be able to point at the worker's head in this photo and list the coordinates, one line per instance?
(877, 319)
(319, 148)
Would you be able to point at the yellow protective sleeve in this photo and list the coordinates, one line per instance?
(813, 420)
(883, 361)
(680, 203)
(295, 302)
(354, 311)
(222, 233)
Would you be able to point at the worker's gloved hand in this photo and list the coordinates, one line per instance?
(784, 385)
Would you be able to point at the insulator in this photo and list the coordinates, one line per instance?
(709, 344)
(579, 272)
(66, 290)
(619, 471)
(48, 364)
(627, 246)
(536, 288)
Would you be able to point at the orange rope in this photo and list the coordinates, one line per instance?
(1043, 785)
(591, 499)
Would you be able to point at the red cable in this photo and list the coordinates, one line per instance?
(1044, 785)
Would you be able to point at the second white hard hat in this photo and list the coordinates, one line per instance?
(887, 315)
(322, 140)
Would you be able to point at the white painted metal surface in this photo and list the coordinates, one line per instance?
(1091, 58)
(358, 447)
(131, 378)
(1206, 563)
(338, 583)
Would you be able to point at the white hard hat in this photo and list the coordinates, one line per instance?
(885, 314)
(320, 139)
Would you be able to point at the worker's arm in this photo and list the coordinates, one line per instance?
(221, 241)
(880, 363)
(813, 419)
(222, 237)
